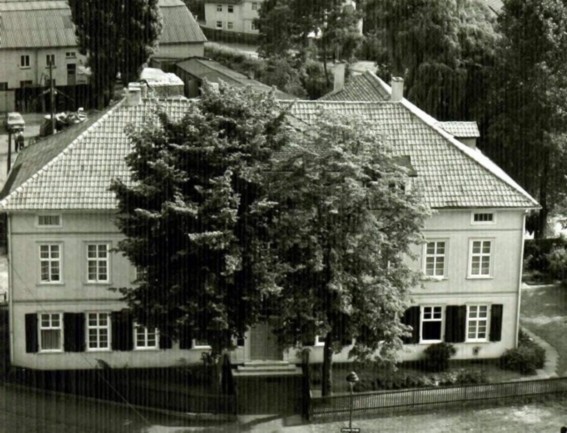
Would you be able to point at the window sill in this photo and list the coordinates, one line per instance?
(433, 279)
(202, 347)
(49, 352)
(480, 277)
(146, 349)
(48, 283)
(25, 67)
(97, 283)
(477, 341)
(430, 342)
(97, 350)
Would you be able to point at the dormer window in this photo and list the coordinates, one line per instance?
(483, 218)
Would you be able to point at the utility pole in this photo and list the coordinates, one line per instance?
(51, 95)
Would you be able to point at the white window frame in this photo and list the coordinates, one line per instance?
(481, 255)
(253, 25)
(219, 8)
(229, 25)
(49, 261)
(50, 327)
(70, 55)
(493, 221)
(59, 224)
(194, 345)
(423, 320)
(254, 6)
(477, 320)
(50, 58)
(230, 9)
(97, 261)
(319, 341)
(435, 257)
(217, 25)
(139, 329)
(25, 61)
(98, 328)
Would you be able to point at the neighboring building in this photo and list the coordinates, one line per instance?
(232, 15)
(194, 70)
(62, 236)
(34, 33)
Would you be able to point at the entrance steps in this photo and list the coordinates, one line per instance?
(267, 368)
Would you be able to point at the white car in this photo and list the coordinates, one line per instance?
(14, 122)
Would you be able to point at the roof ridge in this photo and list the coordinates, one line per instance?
(60, 155)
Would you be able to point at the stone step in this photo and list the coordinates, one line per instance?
(295, 371)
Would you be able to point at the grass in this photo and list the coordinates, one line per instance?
(544, 312)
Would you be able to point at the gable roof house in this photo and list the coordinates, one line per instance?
(35, 33)
(61, 237)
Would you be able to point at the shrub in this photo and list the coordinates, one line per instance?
(437, 356)
(536, 253)
(557, 263)
(526, 358)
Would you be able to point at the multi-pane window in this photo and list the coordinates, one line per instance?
(431, 323)
(70, 55)
(219, 8)
(230, 25)
(49, 220)
(145, 338)
(253, 26)
(254, 6)
(3, 85)
(485, 217)
(25, 61)
(98, 331)
(97, 263)
(50, 59)
(50, 263)
(50, 332)
(230, 9)
(480, 258)
(219, 24)
(477, 322)
(435, 259)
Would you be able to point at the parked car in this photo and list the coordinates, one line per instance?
(14, 122)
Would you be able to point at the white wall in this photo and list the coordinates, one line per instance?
(241, 17)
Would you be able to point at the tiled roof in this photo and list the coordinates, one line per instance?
(74, 172)
(48, 24)
(214, 72)
(461, 129)
(363, 87)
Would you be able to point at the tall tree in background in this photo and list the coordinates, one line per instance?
(195, 217)
(528, 133)
(344, 229)
(442, 49)
(117, 36)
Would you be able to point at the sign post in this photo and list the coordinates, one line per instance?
(352, 379)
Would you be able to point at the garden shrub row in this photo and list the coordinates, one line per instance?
(526, 358)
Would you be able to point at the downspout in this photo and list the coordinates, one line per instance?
(10, 287)
(519, 297)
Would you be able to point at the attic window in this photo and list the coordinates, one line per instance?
(49, 220)
(483, 218)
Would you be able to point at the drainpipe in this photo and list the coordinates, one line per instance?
(10, 287)
(519, 297)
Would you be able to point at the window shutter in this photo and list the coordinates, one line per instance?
(411, 318)
(165, 342)
(186, 338)
(122, 331)
(74, 332)
(31, 333)
(455, 323)
(496, 322)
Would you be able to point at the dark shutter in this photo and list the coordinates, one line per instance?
(74, 332)
(31, 333)
(122, 331)
(165, 342)
(496, 322)
(456, 323)
(411, 318)
(186, 338)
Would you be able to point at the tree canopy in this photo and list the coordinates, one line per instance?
(117, 36)
(347, 219)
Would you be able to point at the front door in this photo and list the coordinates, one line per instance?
(263, 344)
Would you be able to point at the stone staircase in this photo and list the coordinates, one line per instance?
(267, 368)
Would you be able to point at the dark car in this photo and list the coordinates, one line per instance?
(14, 122)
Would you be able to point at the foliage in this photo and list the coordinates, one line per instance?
(536, 253)
(118, 36)
(437, 356)
(442, 49)
(344, 232)
(526, 358)
(195, 218)
(528, 100)
(557, 259)
(405, 380)
(197, 8)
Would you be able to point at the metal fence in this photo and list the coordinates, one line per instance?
(402, 400)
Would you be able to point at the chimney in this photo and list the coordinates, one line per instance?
(339, 77)
(134, 95)
(397, 89)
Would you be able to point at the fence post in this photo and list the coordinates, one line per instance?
(306, 386)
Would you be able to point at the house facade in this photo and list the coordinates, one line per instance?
(62, 239)
(232, 15)
(34, 34)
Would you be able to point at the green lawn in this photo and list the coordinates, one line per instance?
(544, 312)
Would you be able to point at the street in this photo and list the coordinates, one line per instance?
(24, 410)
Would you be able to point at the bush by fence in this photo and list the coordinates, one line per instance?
(526, 358)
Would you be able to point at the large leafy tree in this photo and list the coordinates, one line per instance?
(346, 222)
(529, 100)
(195, 216)
(117, 36)
(443, 49)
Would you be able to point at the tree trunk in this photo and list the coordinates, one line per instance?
(326, 376)
(541, 223)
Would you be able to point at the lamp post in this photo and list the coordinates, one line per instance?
(352, 379)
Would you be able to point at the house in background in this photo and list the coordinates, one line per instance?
(232, 15)
(36, 33)
(195, 70)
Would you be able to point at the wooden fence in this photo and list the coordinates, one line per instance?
(403, 400)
